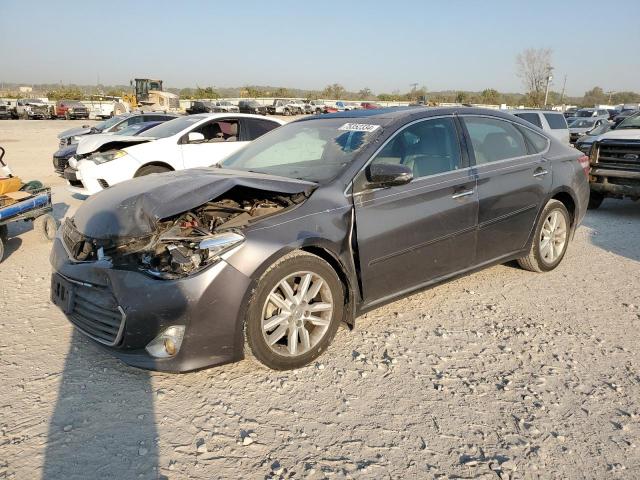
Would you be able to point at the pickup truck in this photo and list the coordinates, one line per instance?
(282, 106)
(31, 109)
(615, 163)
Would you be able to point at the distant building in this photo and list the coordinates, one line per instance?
(26, 89)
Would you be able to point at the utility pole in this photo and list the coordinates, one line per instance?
(610, 92)
(564, 84)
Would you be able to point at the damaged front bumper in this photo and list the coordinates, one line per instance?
(125, 310)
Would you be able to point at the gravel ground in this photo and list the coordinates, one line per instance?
(500, 374)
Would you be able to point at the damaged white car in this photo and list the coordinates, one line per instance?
(195, 141)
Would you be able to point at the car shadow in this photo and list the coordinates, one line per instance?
(624, 217)
(94, 432)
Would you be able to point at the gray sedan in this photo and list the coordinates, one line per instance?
(309, 226)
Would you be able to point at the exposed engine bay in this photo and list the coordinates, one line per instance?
(187, 242)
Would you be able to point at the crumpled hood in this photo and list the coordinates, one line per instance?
(580, 130)
(133, 208)
(91, 143)
(71, 132)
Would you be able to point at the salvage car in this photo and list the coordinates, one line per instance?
(71, 109)
(585, 142)
(193, 141)
(111, 125)
(581, 126)
(199, 106)
(282, 106)
(309, 226)
(615, 163)
(5, 110)
(31, 109)
(63, 156)
(252, 106)
(225, 106)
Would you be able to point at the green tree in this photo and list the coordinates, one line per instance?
(462, 97)
(365, 94)
(65, 93)
(334, 91)
(490, 96)
(282, 92)
(594, 96)
(206, 93)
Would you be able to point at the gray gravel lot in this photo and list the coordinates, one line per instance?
(500, 374)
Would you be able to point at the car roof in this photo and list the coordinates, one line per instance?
(515, 111)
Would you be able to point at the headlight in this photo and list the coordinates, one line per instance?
(73, 140)
(176, 257)
(105, 157)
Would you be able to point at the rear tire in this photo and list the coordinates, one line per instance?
(149, 169)
(304, 327)
(2, 242)
(4, 233)
(550, 239)
(595, 200)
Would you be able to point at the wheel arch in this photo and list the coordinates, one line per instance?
(154, 164)
(567, 198)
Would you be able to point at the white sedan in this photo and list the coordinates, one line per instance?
(193, 141)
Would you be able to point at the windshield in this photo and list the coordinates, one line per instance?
(630, 122)
(579, 123)
(173, 127)
(315, 150)
(133, 129)
(584, 113)
(110, 122)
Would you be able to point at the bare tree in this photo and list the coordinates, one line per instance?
(534, 68)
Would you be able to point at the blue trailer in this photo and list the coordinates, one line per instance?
(27, 204)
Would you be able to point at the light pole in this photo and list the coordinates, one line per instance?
(546, 92)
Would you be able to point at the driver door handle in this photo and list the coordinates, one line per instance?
(540, 172)
(463, 193)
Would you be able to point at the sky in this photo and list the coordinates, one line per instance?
(382, 45)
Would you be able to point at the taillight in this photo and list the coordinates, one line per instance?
(584, 163)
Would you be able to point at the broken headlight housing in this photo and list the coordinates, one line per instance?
(105, 157)
(177, 257)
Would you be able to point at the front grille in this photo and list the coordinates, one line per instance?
(619, 155)
(59, 164)
(97, 314)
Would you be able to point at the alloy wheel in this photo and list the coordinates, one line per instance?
(297, 314)
(553, 236)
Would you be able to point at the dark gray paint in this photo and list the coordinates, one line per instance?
(384, 243)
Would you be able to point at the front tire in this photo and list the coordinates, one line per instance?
(550, 239)
(294, 312)
(595, 200)
(149, 169)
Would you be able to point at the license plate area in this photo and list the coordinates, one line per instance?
(62, 293)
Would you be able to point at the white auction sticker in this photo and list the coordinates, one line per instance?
(358, 127)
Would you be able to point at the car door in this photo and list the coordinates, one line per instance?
(410, 234)
(513, 181)
(221, 139)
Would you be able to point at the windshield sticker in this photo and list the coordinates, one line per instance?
(358, 127)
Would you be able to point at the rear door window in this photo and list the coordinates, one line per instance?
(537, 143)
(493, 139)
(254, 128)
(556, 121)
(533, 118)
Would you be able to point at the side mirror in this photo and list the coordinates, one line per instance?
(380, 175)
(195, 137)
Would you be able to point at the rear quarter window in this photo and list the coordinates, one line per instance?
(533, 118)
(556, 121)
(536, 142)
